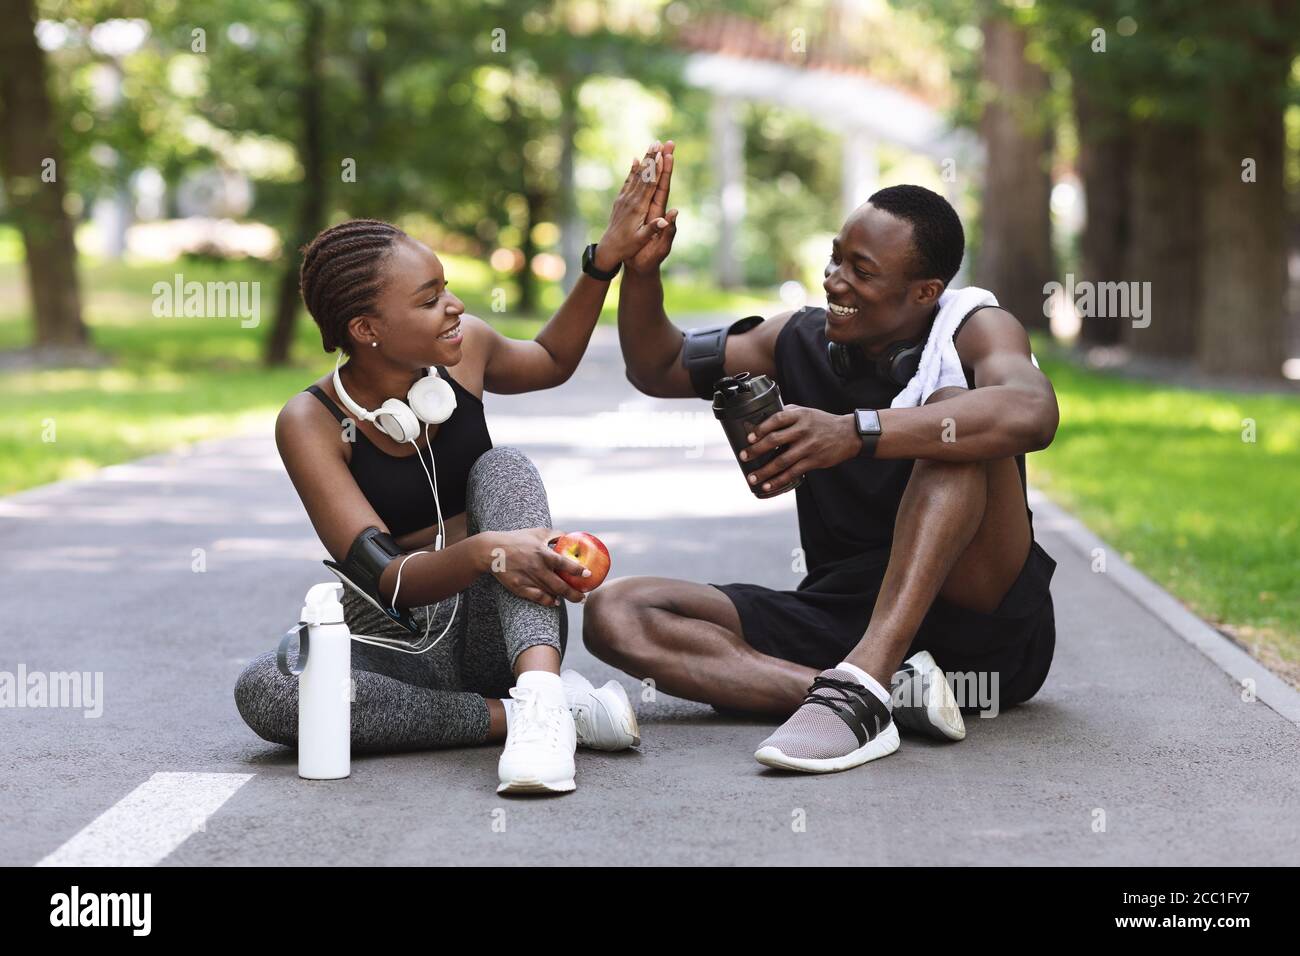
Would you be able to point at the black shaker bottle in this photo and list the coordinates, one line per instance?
(740, 402)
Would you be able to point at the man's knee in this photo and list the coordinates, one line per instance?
(945, 393)
(927, 469)
(600, 617)
(612, 618)
(932, 470)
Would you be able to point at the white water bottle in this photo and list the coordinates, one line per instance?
(325, 687)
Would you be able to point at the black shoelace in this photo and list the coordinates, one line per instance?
(854, 705)
(845, 687)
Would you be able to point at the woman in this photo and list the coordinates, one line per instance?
(486, 579)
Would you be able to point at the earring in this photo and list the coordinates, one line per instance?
(374, 345)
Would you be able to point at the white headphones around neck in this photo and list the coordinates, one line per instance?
(431, 400)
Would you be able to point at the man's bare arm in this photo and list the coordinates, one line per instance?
(652, 344)
(1011, 411)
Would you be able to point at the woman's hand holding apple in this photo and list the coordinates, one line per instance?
(526, 565)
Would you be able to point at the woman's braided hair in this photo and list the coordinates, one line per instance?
(341, 275)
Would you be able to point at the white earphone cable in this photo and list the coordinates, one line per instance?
(396, 643)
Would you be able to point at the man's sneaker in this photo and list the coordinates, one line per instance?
(839, 725)
(539, 746)
(923, 699)
(604, 717)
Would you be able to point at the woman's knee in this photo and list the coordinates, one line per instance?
(504, 492)
(503, 466)
(267, 704)
(248, 686)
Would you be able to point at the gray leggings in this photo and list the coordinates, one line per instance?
(436, 699)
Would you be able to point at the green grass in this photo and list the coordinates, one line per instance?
(1163, 475)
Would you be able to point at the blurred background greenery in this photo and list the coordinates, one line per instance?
(1084, 141)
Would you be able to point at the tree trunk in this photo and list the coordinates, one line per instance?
(1015, 258)
(1165, 244)
(727, 141)
(533, 205)
(1243, 229)
(1291, 334)
(1104, 168)
(572, 229)
(31, 163)
(312, 197)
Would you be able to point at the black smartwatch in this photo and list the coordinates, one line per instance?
(867, 422)
(589, 265)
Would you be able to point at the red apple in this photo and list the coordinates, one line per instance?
(587, 550)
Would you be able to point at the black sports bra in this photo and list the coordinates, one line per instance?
(396, 487)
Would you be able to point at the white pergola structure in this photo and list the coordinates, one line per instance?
(863, 111)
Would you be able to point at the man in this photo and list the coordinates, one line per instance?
(913, 520)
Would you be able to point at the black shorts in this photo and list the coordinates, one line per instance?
(818, 624)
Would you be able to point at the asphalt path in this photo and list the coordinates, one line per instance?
(1138, 750)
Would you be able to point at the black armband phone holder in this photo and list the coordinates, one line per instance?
(371, 552)
(704, 353)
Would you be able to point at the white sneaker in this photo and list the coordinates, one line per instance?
(923, 700)
(539, 746)
(604, 718)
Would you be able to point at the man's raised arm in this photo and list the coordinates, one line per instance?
(651, 344)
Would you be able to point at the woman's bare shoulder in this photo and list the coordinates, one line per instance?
(304, 419)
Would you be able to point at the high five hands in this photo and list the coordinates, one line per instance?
(660, 243)
(641, 228)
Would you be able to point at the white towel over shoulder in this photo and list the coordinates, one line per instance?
(940, 365)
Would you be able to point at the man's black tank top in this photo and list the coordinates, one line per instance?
(848, 510)
(396, 487)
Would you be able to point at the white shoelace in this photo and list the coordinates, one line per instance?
(533, 721)
(580, 722)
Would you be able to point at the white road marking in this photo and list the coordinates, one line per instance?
(150, 822)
